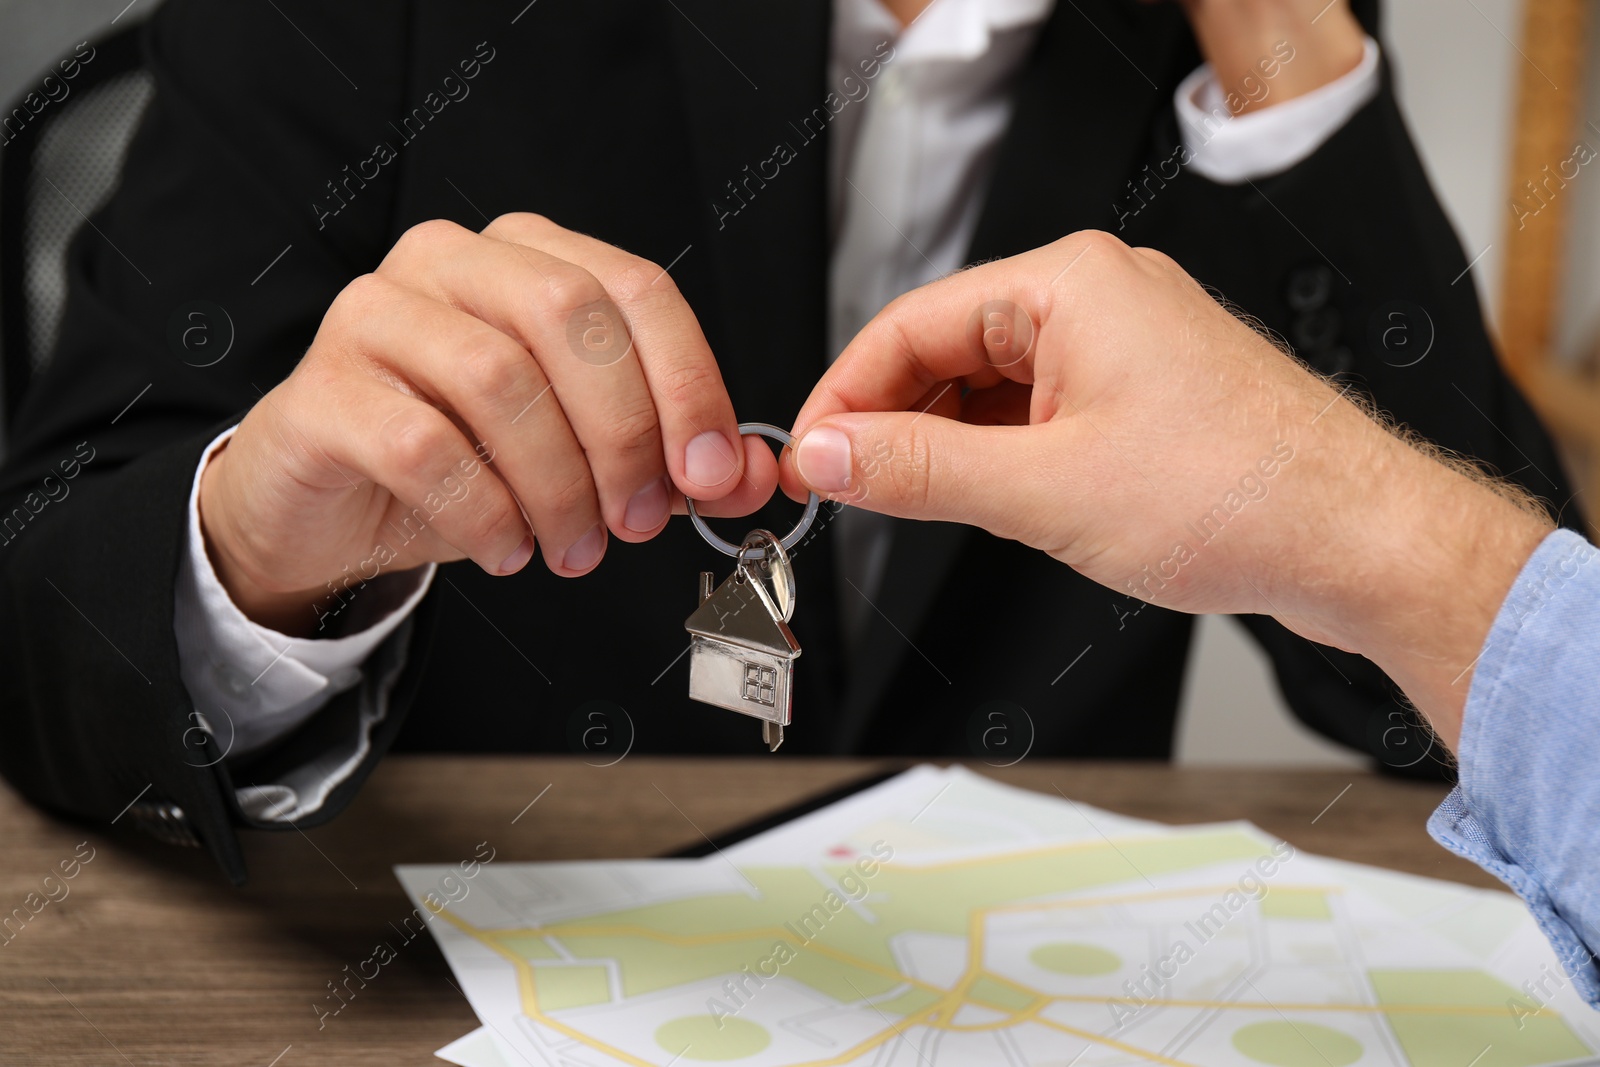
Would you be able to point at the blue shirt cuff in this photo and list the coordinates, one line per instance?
(1527, 809)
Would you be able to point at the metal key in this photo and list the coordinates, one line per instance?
(741, 651)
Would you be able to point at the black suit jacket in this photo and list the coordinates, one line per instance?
(629, 121)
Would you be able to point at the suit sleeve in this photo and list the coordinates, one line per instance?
(174, 326)
(1349, 258)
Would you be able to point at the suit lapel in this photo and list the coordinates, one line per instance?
(1083, 116)
(751, 72)
(1101, 76)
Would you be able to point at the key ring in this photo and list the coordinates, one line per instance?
(770, 568)
(789, 540)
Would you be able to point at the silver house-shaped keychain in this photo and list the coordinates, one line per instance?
(741, 650)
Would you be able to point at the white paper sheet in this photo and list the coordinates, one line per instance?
(943, 919)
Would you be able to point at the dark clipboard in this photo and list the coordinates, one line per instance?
(778, 818)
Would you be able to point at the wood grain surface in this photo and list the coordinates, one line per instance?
(152, 959)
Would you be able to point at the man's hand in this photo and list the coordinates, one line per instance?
(1244, 40)
(1093, 401)
(475, 393)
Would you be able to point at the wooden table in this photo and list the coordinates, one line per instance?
(152, 958)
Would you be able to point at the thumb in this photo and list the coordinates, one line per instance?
(922, 466)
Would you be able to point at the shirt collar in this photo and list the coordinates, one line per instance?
(946, 29)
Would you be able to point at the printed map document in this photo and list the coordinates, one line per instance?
(943, 919)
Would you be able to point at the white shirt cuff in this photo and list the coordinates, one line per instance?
(1233, 149)
(251, 685)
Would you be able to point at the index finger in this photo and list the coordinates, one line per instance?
(699, 433)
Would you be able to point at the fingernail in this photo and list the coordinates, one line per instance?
(586, 550)
(823, 459)
(709, 460)
(518, 559)
(648, 508)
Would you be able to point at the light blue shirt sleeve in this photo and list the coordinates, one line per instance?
(1527, 808)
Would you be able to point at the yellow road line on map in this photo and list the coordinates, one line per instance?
(1243, 1005)
(750, 934)
(696, 940)
(1016, 1018)
(1139, 898)
(874, 968)
(868, 1044)
(958, 995)
(1043, 850)
(529, 997)
(1089, 1035)
(632, 930)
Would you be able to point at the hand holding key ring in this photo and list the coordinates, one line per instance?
(792, 538)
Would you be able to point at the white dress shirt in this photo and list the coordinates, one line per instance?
(910, 161)
(252, 685)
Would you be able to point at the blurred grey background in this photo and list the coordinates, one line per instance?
(1457, 69)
